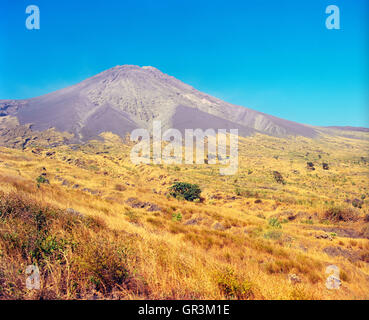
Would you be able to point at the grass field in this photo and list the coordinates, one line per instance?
(100, 227)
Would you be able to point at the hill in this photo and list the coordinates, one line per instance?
(99, 227)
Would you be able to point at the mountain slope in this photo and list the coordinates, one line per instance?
(127, 97)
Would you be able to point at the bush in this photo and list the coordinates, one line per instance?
(357, 203)
(177, 217)
(278, 177)
(104, 263)
(41, 179)
(184, 190)
(273, 222)
(119, 187)
(232, 287)
(273, 234)
(77, 256)
(341, 214)
(307, 221)
(365, 231)
(310, 165)
(325, 166)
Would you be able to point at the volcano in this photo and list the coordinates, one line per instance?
(126, 97)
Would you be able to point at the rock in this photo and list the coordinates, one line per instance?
(216, 196)
(74, 212)
(324, 236)
(325, 166)
(49, 154)
(79, 163)
(119, 187)
(153, 207)
(93, 192)
(310, 166)
(37, 151)
(294, 278)
(218, 226)
(192, 222)
(135, 203)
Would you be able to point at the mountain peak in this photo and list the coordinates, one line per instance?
(128, 96)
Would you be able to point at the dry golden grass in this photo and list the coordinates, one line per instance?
(242, 241)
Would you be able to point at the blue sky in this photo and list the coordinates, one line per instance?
(273, 56)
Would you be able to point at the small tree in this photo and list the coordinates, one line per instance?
(184, 190)
(278, 177)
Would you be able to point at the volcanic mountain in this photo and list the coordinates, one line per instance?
(126, 97)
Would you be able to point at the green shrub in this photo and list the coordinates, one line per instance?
(41, 179)
(133, 217)
(274, 222)
(184, 190)
(357, 203)
(273, 234)
(232, 287)
(307, 221)
(177, 217)
(238, 191)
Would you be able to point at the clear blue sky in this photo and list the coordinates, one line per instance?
(273, 56)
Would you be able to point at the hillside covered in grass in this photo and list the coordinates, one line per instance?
(99, 227)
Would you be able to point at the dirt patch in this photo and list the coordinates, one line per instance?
(135, 203)
(291, 216)
(337, 251)
(93, 192)
(218, 226)
(344, 233)
(192, 222)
